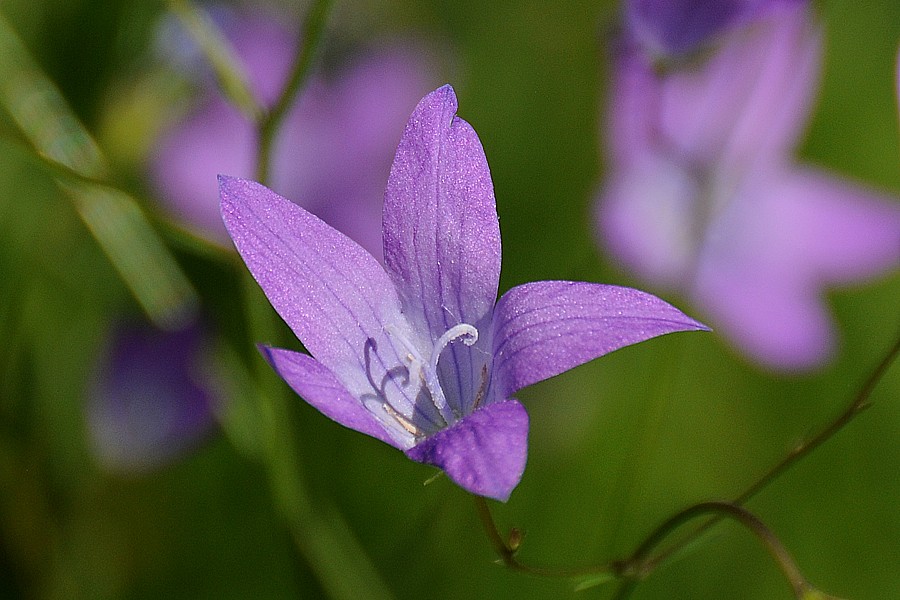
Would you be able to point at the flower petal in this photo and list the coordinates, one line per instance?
(544, 328)
(442, 235)
(682, 26)
(747, 102)
(676, 27)
(484, 453)
(333, 294)
(841, 231)
(320, 388)
(645, 214)
(789, 234)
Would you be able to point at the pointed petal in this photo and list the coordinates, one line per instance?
(441, 232)
(544, 328)
(753, 98)
(645, 215)
(320, 388)
(779, 321)
(333, 294)
(772, 253)
(484, 453)
(839, 231)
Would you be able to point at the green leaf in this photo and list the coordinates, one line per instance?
(136, 251)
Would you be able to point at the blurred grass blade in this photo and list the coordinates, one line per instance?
(113, 217)
(231, 77)
(41, 112)
(150, 272)
(256, 424)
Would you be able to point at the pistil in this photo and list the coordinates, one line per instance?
(426, 369)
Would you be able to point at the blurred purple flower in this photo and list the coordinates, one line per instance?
(149, 403)
(670, 28)
(416, 353)
(331, 156)
(704, 197)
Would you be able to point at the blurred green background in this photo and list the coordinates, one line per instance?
(279, 499)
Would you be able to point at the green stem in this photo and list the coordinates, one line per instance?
(507, 552)
(221, 57)
(631, 570)
(319, 531)
(270, 124)
(859, 403)
(637, 567)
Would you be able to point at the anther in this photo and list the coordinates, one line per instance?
(482, 388)
(404, 422)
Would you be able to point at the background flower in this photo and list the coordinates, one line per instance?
(332, 156)
(705, 198)
(151, 399)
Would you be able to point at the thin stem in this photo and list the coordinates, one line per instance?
(221, 57)
(320, 533)
(270, 124)
(638, 567)
(507, 553)
(859, 403)
(631, 570)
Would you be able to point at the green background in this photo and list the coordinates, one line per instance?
(616, 446)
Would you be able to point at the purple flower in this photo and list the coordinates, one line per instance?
(704, 197)
(149, 402)
(415, 352)
(677, 27)
(330, 156)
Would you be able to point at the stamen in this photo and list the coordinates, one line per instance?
(404, 422)
(482, 387)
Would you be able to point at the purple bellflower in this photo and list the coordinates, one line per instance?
(704, 197)
(329, 156)
(416, 353)
(670, 28)
(149, 403)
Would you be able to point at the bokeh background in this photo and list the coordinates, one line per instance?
(276, 501)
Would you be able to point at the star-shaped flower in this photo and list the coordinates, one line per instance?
(415, 352)
(705, 198)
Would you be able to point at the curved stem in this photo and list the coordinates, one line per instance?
(270, 124)
(638, 567)
(859, 403)
(631, 570)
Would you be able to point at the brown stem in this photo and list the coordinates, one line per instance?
(641, 564)
(859, 404)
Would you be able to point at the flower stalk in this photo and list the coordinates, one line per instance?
(270, 123)
(631, 570)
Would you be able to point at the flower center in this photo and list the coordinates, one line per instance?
(425, 368)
